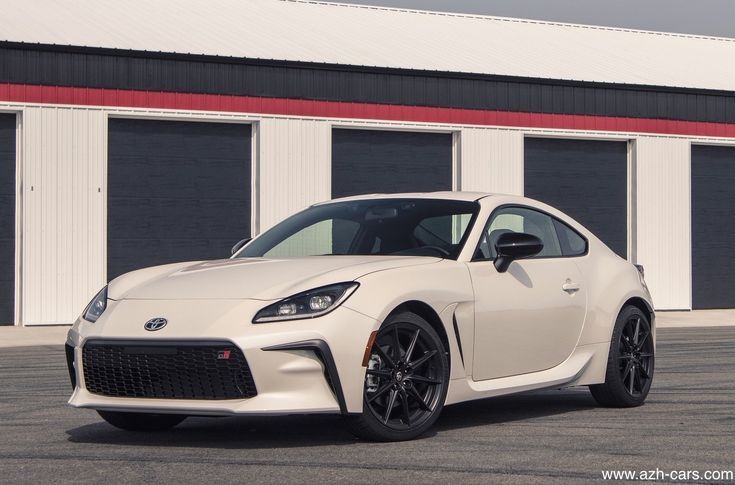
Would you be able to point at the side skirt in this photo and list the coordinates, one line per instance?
(585, 366)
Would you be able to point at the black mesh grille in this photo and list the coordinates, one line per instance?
(167, 371)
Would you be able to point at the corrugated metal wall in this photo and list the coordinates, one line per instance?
(90, 68)
(294, 160)
(63, 212)
(663, 218)
(491, 160)
(64, 193)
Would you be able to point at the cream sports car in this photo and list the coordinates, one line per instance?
(382, 308)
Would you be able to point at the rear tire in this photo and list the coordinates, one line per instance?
(630, 362)
(406, 381)
(141, 421)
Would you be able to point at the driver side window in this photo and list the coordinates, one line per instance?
(519, 219)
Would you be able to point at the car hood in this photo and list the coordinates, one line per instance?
(250, 278)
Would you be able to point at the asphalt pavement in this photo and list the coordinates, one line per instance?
(688, 423)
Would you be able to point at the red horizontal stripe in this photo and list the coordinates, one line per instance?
(27, 93)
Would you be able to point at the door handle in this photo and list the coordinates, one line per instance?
(570, 287)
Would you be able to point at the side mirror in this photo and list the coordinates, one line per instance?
(239, 244)
(515, 245)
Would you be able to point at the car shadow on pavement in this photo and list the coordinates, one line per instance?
(518, 407)
(227, 433)
(300, 431)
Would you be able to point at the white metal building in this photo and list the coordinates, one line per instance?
(138, 134)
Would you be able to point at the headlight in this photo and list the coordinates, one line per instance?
(309, 304)
(96, 307)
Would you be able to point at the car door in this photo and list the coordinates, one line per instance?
(528, 318)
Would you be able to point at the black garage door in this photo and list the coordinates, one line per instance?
(713, 227)
(368, 161)
(586, 179)
(178, 191)
(7, 218)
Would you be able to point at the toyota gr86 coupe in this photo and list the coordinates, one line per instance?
(381, 308)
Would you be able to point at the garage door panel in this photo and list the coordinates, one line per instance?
(369, 161)
(7, 282)
(221, 139)
(178, 191)
(164, 217)
(556, 183)
(155, 252)
(586, 179)
(713, 227)
(153, 175)
(7, 218)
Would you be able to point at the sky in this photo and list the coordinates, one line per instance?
(700, 17)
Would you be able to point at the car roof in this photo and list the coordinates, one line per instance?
(441, 195)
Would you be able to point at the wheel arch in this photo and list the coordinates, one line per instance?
(596, 371)
(426, 312)
(642, 305)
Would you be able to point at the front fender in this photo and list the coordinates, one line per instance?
(445, 287)
(437, 285)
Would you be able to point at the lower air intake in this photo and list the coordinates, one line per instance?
(211, 370)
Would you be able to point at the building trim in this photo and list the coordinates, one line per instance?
(58, 95)
(148, 71)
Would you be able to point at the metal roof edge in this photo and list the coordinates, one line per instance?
(513, 20)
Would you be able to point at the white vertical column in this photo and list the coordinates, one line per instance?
(663, 219)
(491, 160)
(63, 202)
(294, 167)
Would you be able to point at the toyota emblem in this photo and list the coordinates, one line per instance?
(155, 324)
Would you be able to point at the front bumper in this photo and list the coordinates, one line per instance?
(299, 367)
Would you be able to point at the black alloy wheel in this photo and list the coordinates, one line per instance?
(635, 361)
(630, 362)
(406, 380)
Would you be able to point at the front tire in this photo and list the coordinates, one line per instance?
(406, 381)
(141, 421)
(630, 362)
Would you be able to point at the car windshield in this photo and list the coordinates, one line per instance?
(405, 227)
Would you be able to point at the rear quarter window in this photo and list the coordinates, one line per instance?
(571, 242)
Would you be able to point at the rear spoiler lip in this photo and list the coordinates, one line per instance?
(640, 269)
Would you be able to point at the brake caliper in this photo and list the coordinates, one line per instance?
(372, 381)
